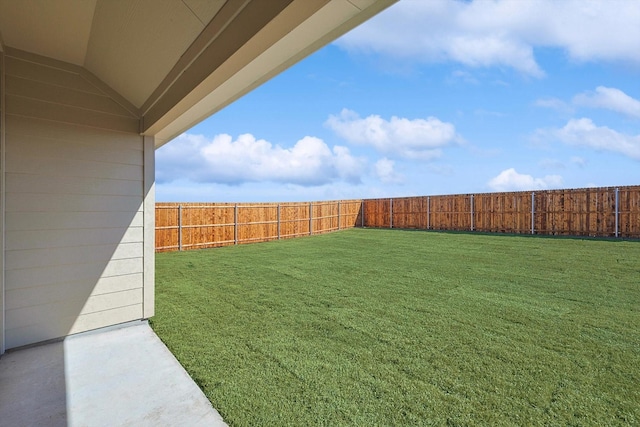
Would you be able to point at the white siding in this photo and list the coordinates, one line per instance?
(75, 211)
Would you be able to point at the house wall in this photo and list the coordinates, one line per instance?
(77, 185)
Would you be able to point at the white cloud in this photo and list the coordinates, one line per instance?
(511, 180)
(444, 170)
(502, 33)
(223, 160)
(611, 99)
(557, 164)
(414, 139)
(551, 164)
(384, 170)
(554, 104)
(578, 161)
(584, 133)
(463, 76)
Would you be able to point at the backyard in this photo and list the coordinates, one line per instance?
(391, 327)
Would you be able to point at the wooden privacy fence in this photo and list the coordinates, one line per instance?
(183, 226)
(598, 212)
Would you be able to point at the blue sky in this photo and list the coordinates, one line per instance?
(432, 97)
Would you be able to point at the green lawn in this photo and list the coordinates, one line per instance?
(387, 327)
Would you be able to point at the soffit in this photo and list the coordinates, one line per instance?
(134, 44)
(58, 30)
(205, 10)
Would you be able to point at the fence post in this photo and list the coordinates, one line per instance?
(235, 224)
(310, 218)
(533, 212)
(472, 212)
(338, 214)
(617, 210)
(278, 221)
(179, 227)
(515, 210)
(390, 213)
(362, 213)
(428, 212)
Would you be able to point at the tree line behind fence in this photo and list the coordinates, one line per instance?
(597, 212)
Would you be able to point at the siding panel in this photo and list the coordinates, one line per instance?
(35, 258)
(62, 113)
(43, 276)
(58, 239)
(39, 202)
(43, 295)
(43, 73)
(71, 135)
(34, 164)
(98, 303)
(104, 318)
(35, 314)
(46, 220)
(25, 183)
(23, 335)
(56, 94)
(78, 150)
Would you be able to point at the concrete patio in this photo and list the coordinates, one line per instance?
(122, 376)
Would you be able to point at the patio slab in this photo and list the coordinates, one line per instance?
(121, 376)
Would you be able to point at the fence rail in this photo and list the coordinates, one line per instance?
(597, 212)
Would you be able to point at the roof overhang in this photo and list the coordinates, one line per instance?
(176, 62)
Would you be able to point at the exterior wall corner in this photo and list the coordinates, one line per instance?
(149, 227)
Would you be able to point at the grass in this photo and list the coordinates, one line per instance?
(387, 327)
